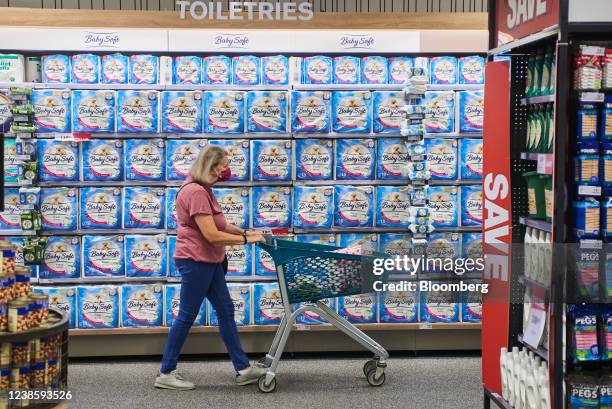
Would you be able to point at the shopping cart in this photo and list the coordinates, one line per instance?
(307, 274)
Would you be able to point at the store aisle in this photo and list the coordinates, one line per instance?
(412, 383)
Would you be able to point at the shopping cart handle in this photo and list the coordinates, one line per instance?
(268, 237)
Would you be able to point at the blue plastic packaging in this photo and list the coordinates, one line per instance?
(313, 207)
(606, 218)
(271, 206)
(180, 155)
(61, 258)
(144, 69)
(10, 218)
(241, 298)
(586, 215)
(471, 245)
(471, 205)
(359, 309)
(10, 160)
(101, 208)
(181, 111)
(138, 111)
(314, 159)
(245, 70)
(443, 70)
(311, 111)
(267, 303)
(442, 158)
(186, 69)
(51, 110)
(399, 306)
(346, 70)
(224, 112)
(59, 208)
(374, 70)
(239, 157)
(267, 111)
(471, 111)
(606, 119)
(275, 70)
(56, 69)
(471, 159)
(354, 206)
(392, 206)
(389, 114)
(64, 299)
(364, 241)
(439, 306)
(144, 159)
(471, 306)
(115, 69)
(216, 69)
(271, 160)
(146, 256)
(392, 157)
(98, 306)
(93, 111)
(400, 70)
(317, 70)
(587, 163)
(173, 302)
(439, 112)
(171, 216)
(352, 111)
(85, 68)
(102, 160)
(239, 260)
(235, 204)
(57, 161)
(103, 256)
(586, 122)
(443, 204)
(264, 265)
(582, 324)
(142, 305)
(355, 159)
(471, 70)
(144, 208)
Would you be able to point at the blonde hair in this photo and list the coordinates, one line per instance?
(209, 158)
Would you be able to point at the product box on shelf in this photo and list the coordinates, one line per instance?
(59, 208)
(275, 70)
(392, 206)
(180, 155)
(241, 298)
(216, 69)
(245, 70)
(235, 204)
(239, 260)
(186, 69)
(267, 303)
(355, 159)
(101, 208)
(173, 302)
(400, 70)
(10, 160)
(144, 69)
(13, 67)
(271, 160)
(138, 111)
(314, 159)
(471, 205)
(399, 306)
(471, 70)
(374, 70)
(98, 306)
(267, 111)
(10, 217)
(103, 256)
(439, 306)
(56, 69)
(439, 112)
(471, 111)
(146, 256)
(313, 207)
(471, 245)
(311, 111)
(238, 156)
(443, 70)
(352, 111)
(142, 305)
(389, 113)
(172, 270)
(392, 159)
(359, 309)
(102, 160)
(115, 69)
(93, 111)
(224, 112)
(51, 110)
(171, 216)
(442, 246)
(442, 158)
(443, 204)
(64, 299)
(347, 70)
(354, 206)
(471, 306)
(144, 208)
(264, 265)
(470, 162)
(395, 244)
(6, 117)
(324, 239)
(85, 68)
(311, 317)
(61, 258)
(144, 159)
(181, 111)
(364, 241)
(271, 206)
(57, 161)
(18, 242)
(317, 70)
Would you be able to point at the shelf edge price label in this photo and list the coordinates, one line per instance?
(589, 190)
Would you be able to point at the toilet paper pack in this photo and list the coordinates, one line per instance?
(144, 208)
(439, 112)
(180, 155)
(359, 309)
(271, 206)
(241, 298)
(216, 69)
(145, 256)
(395, 244)
(224, 112)
(354, 206)
(392, 159)
(12, 68)
(235, 204)
(439, 306)
(57, 160)
(271, 160)
(471, 205)
(102, 160)
(313, 207)
(399, 306)
(364, 241)
(103, 256)
(324, 239)
(56, 69)
(471, 159)
(352, 111)
(317, 70)
(400, 69)
(238, 155)
(186, 69)
(101, 208)
(98, 306)
(471, 70)
(10, 160)
(171, 216)
(239, 260)
(442, 158)
(392, 206)
(443, 70)
(245, 70)
(314, 159)
(85, 68)
(144, 159)
(61, 258)
(6, 117)
(173, 303)
(93, 111)
(268, 305)
(374, 70)
(267, 111)
(264, 265)
(144, 69)
(10, 218)
(172, 270)
(471, 111)
(442, 246)
(310, 111)
(51, 110)
(471, 305)
(181, 111)
(471, 245)
(389, 114)
(59, 208)
(311, 317)
(346, 70)
(275, 70)
(115, 69)
(64, 299)
(443, 204)
(33, 66)
(138, 111)
(355, 159)
(142, 305)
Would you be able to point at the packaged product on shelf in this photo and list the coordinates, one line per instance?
(240, 294)
(389, 113)
(101, 208)
(346, 70)
(443, 204)
(224, 112)
(275, 70)
(471, 111)
(181, 111)
(583, 391)
(606, 119)
(443, 70)
(586, 272)
(173, 303)
(85, 68)
(172, 270)
(115, 69)
(392, 206)
(180, 155)
(310, 111)
(325, 239)
(32, 70)
(399, 306)
(93, 111)
(216, 69)
(314, 159)
(102, 160)
(354, 206)
(59, 208)
(267, 111)
(355, 159)
(583, 344)
(374, 70)
(6, 117)
(588, 72)
(471, 70)
(442, 158)
(142, 305)
(235, 205)
(17, 243)
(186, 69)
(146, 256)
(471, 205)
(587, 218)
(441, 246)
(103, 256)
(171, 217)
(364, 241)
(470, 163)
(311, 317)
(439, 112)
(61, 258)
(144, 159)
(606, 219)
(607, 69)
(264, 265)
(98, 306)
(138, 111)
(267, 302)
(359, 309)
(10, 161)
(271, 160)
(271, 206)
(313, 207)
(439, 306)
(10, 217)
(11, 68)
(59, 161)
(245, 70)
(471, 305)
(471, 246)
(605, 340)
(352, 111)
(587, 122)
(400, 70)
(587, 164)
(239, 260)
(51, 110)
(144, 208)
(144, 69)
(166, 71)
(64, 299)
(238, 156)
(317, 70)
(56, 69)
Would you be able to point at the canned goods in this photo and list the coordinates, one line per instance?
(21, 353)
(38, 376)
(18, 316)
(41, 309)
(37, 352)
(22, 286)
(8, 258)
(31, 313)
(20, 378)
(3, 316)
(4, 400)
(5, 377)
(52, 371)
(6, 287)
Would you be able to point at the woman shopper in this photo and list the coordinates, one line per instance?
(199, 257)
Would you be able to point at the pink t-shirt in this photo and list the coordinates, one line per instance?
(194, 199)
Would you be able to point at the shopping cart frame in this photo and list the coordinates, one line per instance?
(373, 369)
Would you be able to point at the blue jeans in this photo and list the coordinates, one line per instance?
(199, 280)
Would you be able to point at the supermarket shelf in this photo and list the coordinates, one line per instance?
(459, 229)
(331, 183)
(593, 97)
(152, 87)
(543, 99)
(161, 183)
(464, 182)
(17, 233)
(333, 135)
(458, 135)
(160, 280)
(541, 352)
(538, 224)
(80, 232)
(533, 283)
(499, 401)
(349, 87)
(526, 41)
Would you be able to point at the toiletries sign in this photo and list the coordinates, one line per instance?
(248, 10)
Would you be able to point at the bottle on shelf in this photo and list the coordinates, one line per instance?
(503, 365)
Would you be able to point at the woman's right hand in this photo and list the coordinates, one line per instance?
(255, 238)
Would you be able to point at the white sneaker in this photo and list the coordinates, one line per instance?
(173, 380)
(250, 375)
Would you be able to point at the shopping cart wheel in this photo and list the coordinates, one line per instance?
(271, 387)
(369, 365)
(373, 380)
